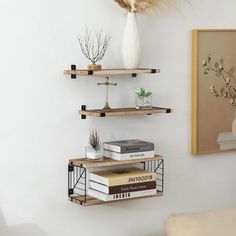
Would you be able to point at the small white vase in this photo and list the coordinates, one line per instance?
(131, 49)
(93, 154)
(234, 125)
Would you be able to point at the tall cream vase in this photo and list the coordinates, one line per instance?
(131, 49)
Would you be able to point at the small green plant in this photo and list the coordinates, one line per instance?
(94, 140)
(143, 94)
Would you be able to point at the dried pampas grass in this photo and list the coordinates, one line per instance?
(145, 5)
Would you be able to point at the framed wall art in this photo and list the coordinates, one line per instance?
(213, 90)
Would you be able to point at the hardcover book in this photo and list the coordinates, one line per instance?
(122, 188)
(119, 196)
(129, 146)
(128, 156)
(122, 176)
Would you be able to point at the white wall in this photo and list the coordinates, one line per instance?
(40, 128)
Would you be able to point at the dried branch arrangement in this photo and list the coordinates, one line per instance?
(144, 5)
(228, 91)
(94, 46)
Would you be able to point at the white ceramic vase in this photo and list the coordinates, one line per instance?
(93, 154)
(234, 125)
(131, 49)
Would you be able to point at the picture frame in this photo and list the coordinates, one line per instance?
(213, 115)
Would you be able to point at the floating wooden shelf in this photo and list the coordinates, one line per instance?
(106, 72)
(85, 163)
(122, 112)
(89, 201)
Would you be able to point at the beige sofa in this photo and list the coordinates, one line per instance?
(212, 223)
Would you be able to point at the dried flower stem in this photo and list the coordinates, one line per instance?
(145, 5)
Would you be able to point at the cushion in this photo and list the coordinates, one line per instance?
(212, 223)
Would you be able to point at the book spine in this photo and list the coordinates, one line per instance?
(123, 188)
(128, 156)
(98, 179)
(120, 196)
(111, 147)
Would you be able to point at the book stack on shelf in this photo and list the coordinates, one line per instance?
(112, 185)
(128, 149)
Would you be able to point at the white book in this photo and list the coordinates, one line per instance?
(128, 156)
(226, 141)
(120, 196)
(227, 146)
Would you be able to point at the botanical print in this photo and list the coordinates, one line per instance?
(214, 91)
(228, 91)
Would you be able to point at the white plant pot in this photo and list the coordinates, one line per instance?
(234, 125)
(131, 49)
(93, 154)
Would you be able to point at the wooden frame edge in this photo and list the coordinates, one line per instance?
(194, 89)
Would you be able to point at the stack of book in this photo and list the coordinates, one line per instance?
(112, 185)
(226, 141)
(128, 149)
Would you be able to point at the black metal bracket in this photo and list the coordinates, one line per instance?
(70, 191)
(103, 114)
(73, 67)
(168, 110)
(77, 183)
(70, 168)
(83, 108)
(134, 75)
(153, 71)
(90, 72)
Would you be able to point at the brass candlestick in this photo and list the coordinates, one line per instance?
(107, 84)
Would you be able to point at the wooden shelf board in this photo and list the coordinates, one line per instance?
(125, 111)
(112, 71)
(110, 162)
(93, 201)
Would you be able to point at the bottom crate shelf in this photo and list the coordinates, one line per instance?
(93, 201)
(78, 177)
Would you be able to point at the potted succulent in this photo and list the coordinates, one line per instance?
(94, 150)
(143, 99)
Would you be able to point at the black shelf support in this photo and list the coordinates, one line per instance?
(90, 72)
(83, 108)
(134, 75)
(73, 67)
(153, 71)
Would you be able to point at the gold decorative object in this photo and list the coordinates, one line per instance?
(107, 84)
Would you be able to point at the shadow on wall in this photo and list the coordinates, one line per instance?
(19, 230)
